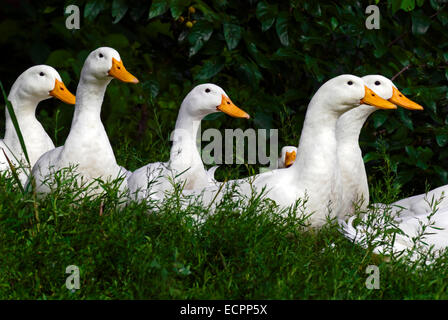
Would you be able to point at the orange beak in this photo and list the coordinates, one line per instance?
(371, 98)
(61, 92)
(232, 110)
(118, 71)
(400, 99)
(290, 157)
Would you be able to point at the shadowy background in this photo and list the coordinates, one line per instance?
(269, 56)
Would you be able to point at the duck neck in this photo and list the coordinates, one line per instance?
(89, 99)
(316, 154)
(184, 148)
(351, 163)
(350, 124)
(25, 111)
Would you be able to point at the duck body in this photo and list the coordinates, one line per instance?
(418, 234)
(349, 125)
(314, 177)
(87, 147)
(185, 165)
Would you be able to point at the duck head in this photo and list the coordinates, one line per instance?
(39, 83)
(104, 64)
(209, 98)
(287, 156)
(387, 90)
(347, 91)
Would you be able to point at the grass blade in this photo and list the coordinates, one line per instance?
(15, 123)
(14, 172)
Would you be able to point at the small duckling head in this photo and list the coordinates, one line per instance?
(288, 155)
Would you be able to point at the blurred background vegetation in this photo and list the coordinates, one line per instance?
(270, 57)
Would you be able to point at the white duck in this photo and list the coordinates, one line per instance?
(185, 164)
(416, 235)
(349, 125)
(314, 175)
(87, 146)
(34, 85)
(408, 214)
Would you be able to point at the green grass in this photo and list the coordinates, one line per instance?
(157, 251)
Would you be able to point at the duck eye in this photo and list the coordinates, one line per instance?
(41, 74)
(100, 55)
(207, 90)
(350, 82)
(377, 83)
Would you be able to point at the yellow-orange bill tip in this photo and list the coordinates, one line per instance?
(230, 109)
(401, 100)
(371, 98)
(290, 157)
(61, 92)
(118, 71)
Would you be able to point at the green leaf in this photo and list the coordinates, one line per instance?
(251, 72)
(405, 118)
(266, 15)
(334, 23)
(119, 9)
(379, 118)
(210, 69)
(396, 4)
(158, 7)
(408, 5)
(442, 139)
(199, 34)
(93, 8)
(263, 120)
(420, 23)
(177, 7)
(59, 58)
(152, 87)
(49, 9)
(232, 34)
(116, 40)
(371, 156)
(281, 26)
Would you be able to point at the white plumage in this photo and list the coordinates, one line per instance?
(87, 147)
(185, 165)
(34, 85)
(314, 175)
